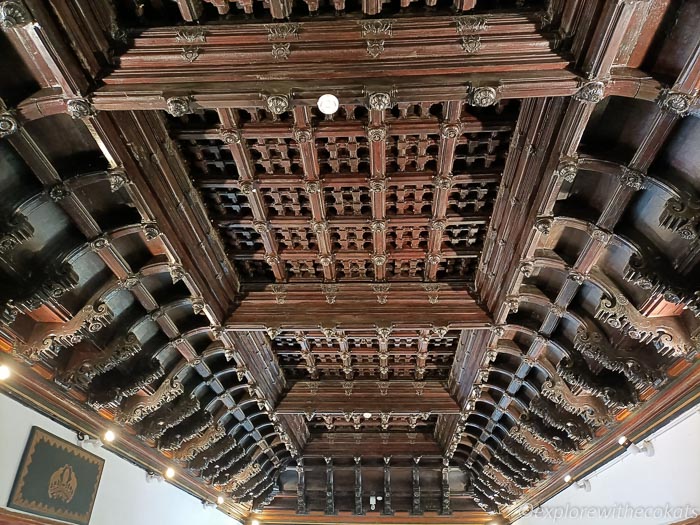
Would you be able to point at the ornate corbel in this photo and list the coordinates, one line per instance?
(682, 216)
(14, 231)
(47, 339)
(595, 346)
(85, 369)
(199, 444)
(138, 407)
(613, 390)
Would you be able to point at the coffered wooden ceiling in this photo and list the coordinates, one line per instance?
(463, 285)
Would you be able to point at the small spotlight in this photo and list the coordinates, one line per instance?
(568, 478)
(170, 473)
(255, 522)
(220, 500)
(367, 415)
(5, 372)
(622, 441)
(328, 104)
(109, 436)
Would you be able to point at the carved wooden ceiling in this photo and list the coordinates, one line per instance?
(464, 284)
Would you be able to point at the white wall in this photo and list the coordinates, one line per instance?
(124, 497)
(637, 483)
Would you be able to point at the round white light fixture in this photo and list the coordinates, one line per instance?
(170, 473)
(622, 440)
(4, 372)
(367, 415)
(109, 436)
(567, 478)
(220, 500)
(255, 522)
(328, 104)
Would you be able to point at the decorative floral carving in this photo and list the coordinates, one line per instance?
(443, 182)
(592, 92)
(450, 131)
(375, 48)
(513, 304)
(190, 53)
(8, 123)
(117, 180)
(177, 272)
(281, 51)
(330, 291)
(470, 24)
(382, 291)
(471, 44)
(302, 136)
(150, 230)
(379, 259)
(433, 258)
(632, 179)
(376, 27)
(278, 104)
(379, 101)
(272, 259)
(567, 169)
(59, 192)
(280, 293)
(13, 13)
(526, 268)
(544, 224)
(675, 102)
(377, 185)
(178, 106)
(230, 136)
(376, 134)
(433, 291)
(483, 96)
(283, 31)
(191, 34)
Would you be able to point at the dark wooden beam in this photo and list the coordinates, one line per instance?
(401, 398)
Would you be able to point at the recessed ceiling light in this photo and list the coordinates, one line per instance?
(622, 440)
(328, 104)
(255, 522)
(4, 372)
(567, 478)
(170, 473)
(367, 415)
(220, 500)
(109, 436)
